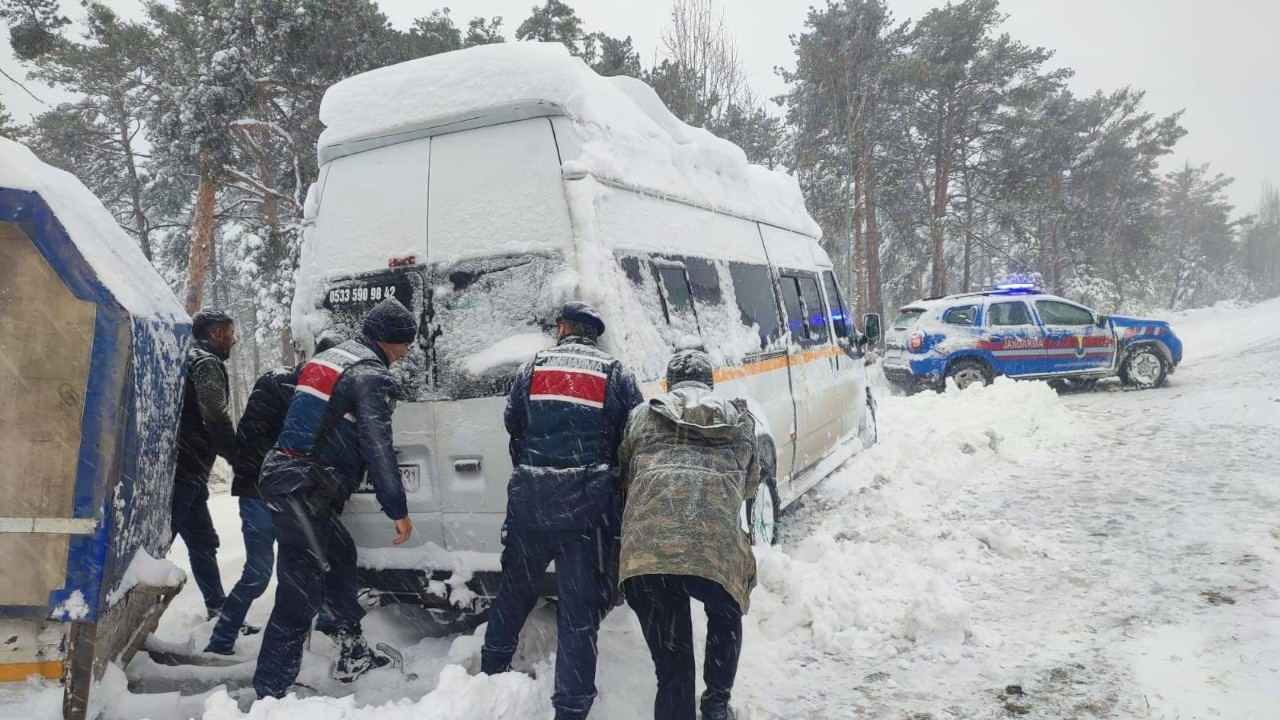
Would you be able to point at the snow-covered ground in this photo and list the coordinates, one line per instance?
(1004, 551)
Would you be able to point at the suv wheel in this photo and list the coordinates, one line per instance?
(969, 372)
(1143, 367)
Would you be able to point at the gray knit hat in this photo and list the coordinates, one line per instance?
(691, 365)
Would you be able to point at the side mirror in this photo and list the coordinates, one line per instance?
(1101, 321)
(871, 327)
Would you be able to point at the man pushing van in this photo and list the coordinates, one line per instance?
(338, 426)
(565, 415)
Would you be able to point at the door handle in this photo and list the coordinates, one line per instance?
(467, 465)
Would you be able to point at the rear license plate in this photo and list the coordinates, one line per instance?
(369, 291)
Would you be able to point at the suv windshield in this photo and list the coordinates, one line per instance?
(906, 317)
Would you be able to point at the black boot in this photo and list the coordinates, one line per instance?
(355, 658)
(718, 712)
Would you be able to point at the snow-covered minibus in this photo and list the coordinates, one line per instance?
(483, 188)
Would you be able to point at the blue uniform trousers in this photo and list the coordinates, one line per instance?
(316, 564)
(584, 595)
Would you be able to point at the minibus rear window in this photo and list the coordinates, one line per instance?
(486, 316)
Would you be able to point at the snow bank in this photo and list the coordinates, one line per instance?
(458, 696)
(626, 134)
(146, 570)
(1224, 329)
(119, 263)
(886, 565)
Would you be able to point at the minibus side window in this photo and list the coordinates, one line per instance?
(757, 304)
(631, 266)
(795, 312)
(814, 312)
(704, 280)
(677, 297)
(840, 319)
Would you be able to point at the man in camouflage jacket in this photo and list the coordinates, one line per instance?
(688, 462)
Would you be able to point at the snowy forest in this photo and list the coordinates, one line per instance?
(938, 153)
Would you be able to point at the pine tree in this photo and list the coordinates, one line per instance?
(34, 25)
(554, 22)
(1197, 238)
(1260, 244)
(9, 128)
(610, 56)
(435, 33)
(99, 137)
(203, 83)
(482, 31)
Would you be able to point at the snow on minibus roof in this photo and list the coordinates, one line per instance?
(628, 135)
(114, 256)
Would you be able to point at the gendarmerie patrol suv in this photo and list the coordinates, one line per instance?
(485, 187)
(1018, 330)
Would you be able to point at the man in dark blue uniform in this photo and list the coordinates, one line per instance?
(204, 432)
(565, 415)
(338, 427)
(256, 435)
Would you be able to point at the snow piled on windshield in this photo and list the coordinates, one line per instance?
(116, 259)
(627, 134)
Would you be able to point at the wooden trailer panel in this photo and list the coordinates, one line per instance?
(43, 380)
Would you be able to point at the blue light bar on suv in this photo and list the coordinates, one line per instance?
(1017, 288)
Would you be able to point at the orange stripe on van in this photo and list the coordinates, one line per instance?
(15, 672)
(737, 372)
(734, 372)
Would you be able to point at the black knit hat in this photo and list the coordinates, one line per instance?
(205, 320)
(327, 341)
(691, 365)
(390, 322)
(582, 314)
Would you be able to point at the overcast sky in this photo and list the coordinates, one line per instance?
(1219, 61)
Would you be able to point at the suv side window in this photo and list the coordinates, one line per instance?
(964, 315)
(1053, 312)
(1008, 313)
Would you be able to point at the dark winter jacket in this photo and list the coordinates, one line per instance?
(205, 429)
(565, 415)
(689, 461)
(260, 426)
(349, 390)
